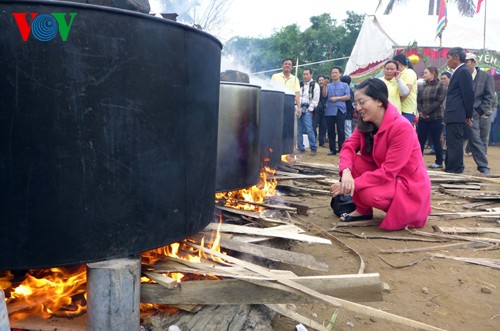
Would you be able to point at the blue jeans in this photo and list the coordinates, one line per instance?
(409, 117)
(304, 126)
(494, 127)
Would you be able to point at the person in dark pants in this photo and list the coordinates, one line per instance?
(458, 109)
(430, 99)
(337, 94)
(494, 126)
(319, 121)
(485, 100)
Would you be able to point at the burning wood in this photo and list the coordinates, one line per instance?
(255, 194)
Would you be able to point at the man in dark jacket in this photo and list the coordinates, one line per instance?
(458, 110)
(485, 98)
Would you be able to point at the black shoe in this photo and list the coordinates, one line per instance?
(313, 153)
(345, 217)
(321, 144)
(301, 151)
(331, 153)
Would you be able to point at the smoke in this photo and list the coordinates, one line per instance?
(183, 8)
(230, 63)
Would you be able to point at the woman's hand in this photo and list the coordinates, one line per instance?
(347, 183)
(335, 189)
(346, 186)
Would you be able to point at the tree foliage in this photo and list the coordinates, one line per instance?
(324, 40)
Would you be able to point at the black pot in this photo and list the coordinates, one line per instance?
(238, 164)
(288, 124)
(108, 138)
(271, 127)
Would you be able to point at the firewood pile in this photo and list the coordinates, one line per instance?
(241, 288)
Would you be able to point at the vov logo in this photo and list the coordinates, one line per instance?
(44, 27)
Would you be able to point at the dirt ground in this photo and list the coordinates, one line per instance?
(440, 292)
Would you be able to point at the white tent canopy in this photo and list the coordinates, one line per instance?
(380, 34)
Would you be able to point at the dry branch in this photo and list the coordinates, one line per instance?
(469, 230)
(492, 263)
(438, 248)
(326, 234)
(336, 302)
(455, 237)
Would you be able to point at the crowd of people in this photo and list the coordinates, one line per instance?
(380, 132)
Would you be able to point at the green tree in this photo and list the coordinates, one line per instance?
(322, 41)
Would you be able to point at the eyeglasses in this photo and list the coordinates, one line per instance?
(360, 103)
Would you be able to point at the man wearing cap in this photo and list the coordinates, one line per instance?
(484, 92)
(458, 110)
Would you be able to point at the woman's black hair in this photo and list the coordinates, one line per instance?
(393, 62)
(346, 79)
(377, 90)
(433, 70)
(401, 58)
(446, 73)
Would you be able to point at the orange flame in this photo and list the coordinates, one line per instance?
(48, 292)
(288, 158)
(257, 193)
(62, 291)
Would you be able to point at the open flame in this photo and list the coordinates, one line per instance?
(62, 291)
(47, 292)
(288, 158)
(255, 194)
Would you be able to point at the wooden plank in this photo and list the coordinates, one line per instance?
(455, 177)
(492, 263)
(470, 230)
(239, 212)
(455, 236)
(215, 318)
(280, 175)
(319, 166)
(269, 206)
(303, 189)
(161, 279)
(336, 302)
(274, 254)
(468, 214)
(466, 194)
(359, 288)
(301, 208)
(461, 186)
(268, 232)
(283, 310)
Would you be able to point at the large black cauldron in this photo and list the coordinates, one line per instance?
(271, 126)
(238, 163)
(108, 132)
(288, 124)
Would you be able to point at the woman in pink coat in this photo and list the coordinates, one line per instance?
(381, 164)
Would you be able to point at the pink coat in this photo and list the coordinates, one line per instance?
(396, 157)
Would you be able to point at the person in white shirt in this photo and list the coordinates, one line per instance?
(309, 98)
